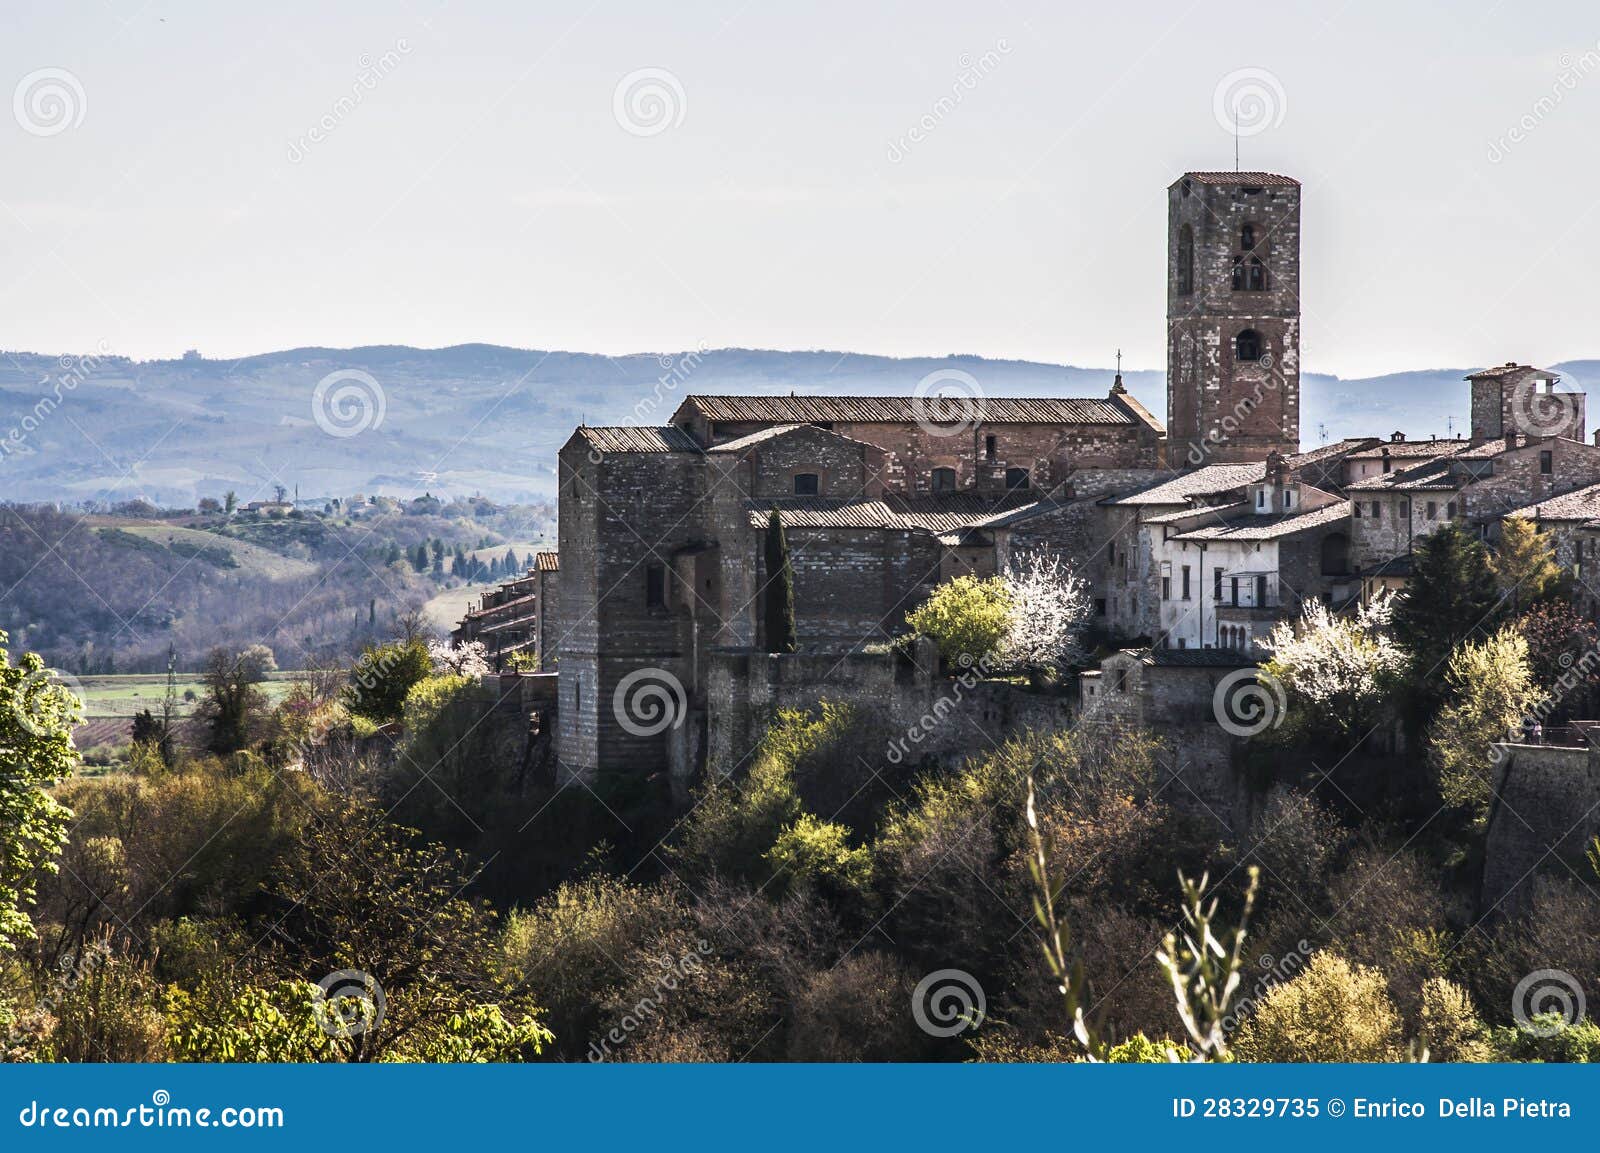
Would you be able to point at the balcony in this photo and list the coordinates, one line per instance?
(1248, 590)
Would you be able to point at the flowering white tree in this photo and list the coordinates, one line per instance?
(468, 660)
(1049, 605)
(1339, 667)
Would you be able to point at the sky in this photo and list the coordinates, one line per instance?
(902, 179)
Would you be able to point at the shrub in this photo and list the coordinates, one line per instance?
(817, 854)
(1330, 1011)
(968, 618)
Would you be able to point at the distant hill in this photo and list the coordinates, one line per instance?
(485, 419)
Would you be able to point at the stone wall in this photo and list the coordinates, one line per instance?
(1546, 812)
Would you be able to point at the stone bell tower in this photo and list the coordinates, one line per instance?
(1233, 317)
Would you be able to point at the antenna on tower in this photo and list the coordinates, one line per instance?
(1236, 140)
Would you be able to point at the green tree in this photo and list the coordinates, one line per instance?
(780, 589)
(1491, 689)
(1451, 597)
(234, 707)
(37, 714)
(230, 501)
(968, 618)
(1525, 563)
(383, 676)
(419, 559)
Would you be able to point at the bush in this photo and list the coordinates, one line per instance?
(817, 854)
(1330, 1011)
(968, 618)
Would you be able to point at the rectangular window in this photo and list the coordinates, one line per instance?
(1374, 510)
(1355, 508)
(1288, 497)
(1405, 510)
(1166, 588)
(1234, 591)
(1261, 498)
(1183, 642)
(655, 586)
(806, 484)
(1261, 592)
(1216, 591)
(1433, 510)
(988, 447)
(1546, 462)
(1450, 510)
(1185, 582)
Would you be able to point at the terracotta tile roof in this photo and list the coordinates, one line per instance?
(1198, 510)
(1269, 527)
(906, 409)
(1579, 504)
(630, 438)
(1349, 446)
(1435, 475)
(1509, 368)
(1264, 179)
(742, 443)
(1208, 480)
(952, 513)
(547, 562)
(1410, 448)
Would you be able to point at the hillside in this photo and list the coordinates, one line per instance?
(486, 419)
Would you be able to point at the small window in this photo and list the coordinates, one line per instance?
(1185, 260)
(1016, 478)
(944, 480)
(1288, 497)
(1433, 510)
(1261, 498)
(1247, 237)
(1186, 582)
(1374, 510)
(1405, 510)
(1247, 347)
(1216, 590)
(1183, 642)
(1450, 510)
(988, 448)
(655, 586)
(807, 484)
(1166, 588)
(1546, 462)
(1257, 279)
(1238, 274)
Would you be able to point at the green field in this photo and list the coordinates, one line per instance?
(120, 697)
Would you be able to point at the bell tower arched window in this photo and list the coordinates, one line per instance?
(1247, 237)
(1257, 281)
(1247, 346)
(1238, 274)
(1185, 260)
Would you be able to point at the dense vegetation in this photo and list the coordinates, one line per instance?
(381, 821)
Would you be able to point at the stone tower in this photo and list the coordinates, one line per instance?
(1233, 317)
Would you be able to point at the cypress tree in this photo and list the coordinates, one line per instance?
(780, 589)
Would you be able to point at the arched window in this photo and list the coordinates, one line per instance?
(1016, 478)
(1247, 347)
(1185, 260)
(807, 484)
(944, 480)
(1247, 237)
(1258, 275)
(1238, 274)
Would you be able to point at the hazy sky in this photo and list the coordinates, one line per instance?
(242, 178)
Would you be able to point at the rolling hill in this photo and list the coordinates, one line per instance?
(487, 419)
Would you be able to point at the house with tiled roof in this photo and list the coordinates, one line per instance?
(518, 616)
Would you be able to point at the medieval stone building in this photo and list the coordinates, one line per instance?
(1195, 539)
(1233, 316)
